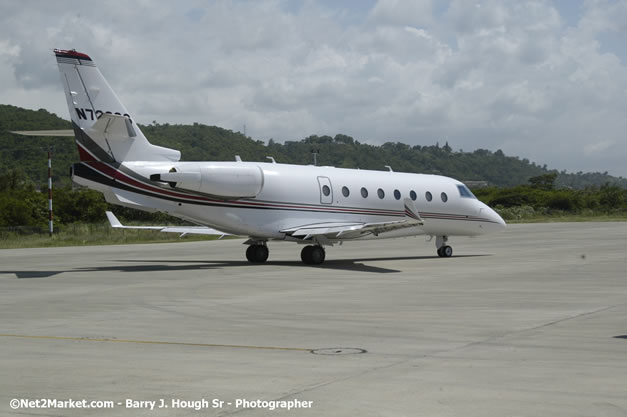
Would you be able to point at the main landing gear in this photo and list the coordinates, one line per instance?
(444, 251)
(257, 253)
(313, 255)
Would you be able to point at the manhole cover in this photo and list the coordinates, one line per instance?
(339, 351)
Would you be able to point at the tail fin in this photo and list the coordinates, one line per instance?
(104, 129)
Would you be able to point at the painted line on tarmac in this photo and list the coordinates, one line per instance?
(155, 342)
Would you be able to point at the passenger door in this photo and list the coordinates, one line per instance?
(326, 190)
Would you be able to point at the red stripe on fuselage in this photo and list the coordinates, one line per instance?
(128, 180)
(132, 182)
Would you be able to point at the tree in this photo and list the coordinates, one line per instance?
(544, 181)
(611, 196)
(340, 138)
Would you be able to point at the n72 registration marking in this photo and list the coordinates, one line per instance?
(89, 114)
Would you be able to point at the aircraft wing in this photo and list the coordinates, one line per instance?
(355, 230)
(183, 230)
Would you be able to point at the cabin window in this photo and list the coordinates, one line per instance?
(428, 196)
(364, 192)
(326, 190)
(412, 195)
(380, 193)
(397, 194)
(444, 197)
(345, 191)
(465, 192)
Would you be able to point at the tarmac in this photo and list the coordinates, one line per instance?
(528, 322)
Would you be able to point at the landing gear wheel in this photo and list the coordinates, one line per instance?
(305, 254)
(445, 252)
(317, 255)
(257, 254)
(312, 255)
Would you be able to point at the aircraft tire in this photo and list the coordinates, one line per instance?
(257, 254)
(317, 255)
(305, 255)
(445, 251)
(249, 254)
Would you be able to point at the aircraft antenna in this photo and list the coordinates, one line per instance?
(314, 152)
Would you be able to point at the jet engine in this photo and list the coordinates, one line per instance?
(226, 181)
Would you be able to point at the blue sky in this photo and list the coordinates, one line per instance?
(540, 79)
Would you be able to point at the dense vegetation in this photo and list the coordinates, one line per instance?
(541, 199)
(201, 142)
(531, 190)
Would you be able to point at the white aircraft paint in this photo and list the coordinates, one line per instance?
(265, 201)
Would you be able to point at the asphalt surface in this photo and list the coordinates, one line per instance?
(528, 322)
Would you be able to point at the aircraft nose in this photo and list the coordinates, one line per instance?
(494, 222)
(495, 218)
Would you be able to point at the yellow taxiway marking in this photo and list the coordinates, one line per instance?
(154, 342)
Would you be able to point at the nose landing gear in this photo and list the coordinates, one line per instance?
(444, 251)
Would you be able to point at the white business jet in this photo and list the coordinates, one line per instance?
(315, 206)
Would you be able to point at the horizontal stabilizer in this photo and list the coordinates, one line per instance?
(53, 133)
(183, 230)
(114, 126)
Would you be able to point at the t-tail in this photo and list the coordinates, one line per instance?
(105, 131)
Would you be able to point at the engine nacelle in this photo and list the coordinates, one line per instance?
(229, 181)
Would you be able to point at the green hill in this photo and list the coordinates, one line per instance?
(28, 154)
(201, 142)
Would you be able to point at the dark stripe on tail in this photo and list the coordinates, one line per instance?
(88, 149)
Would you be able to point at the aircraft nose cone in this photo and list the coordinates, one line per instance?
(494, 222)
(497, 219)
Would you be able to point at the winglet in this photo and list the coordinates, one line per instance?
(411, 211)
(113, 221)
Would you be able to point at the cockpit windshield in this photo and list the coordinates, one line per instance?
(465, 192)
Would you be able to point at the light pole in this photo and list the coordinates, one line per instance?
(50, 222)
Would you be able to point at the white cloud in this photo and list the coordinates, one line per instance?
(491, 74)
(597, 147)
(402, 12)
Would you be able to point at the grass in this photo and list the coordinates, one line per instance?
(569, 218)
(87, 235)
(527, 214)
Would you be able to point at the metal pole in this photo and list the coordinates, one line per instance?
(50, 223)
